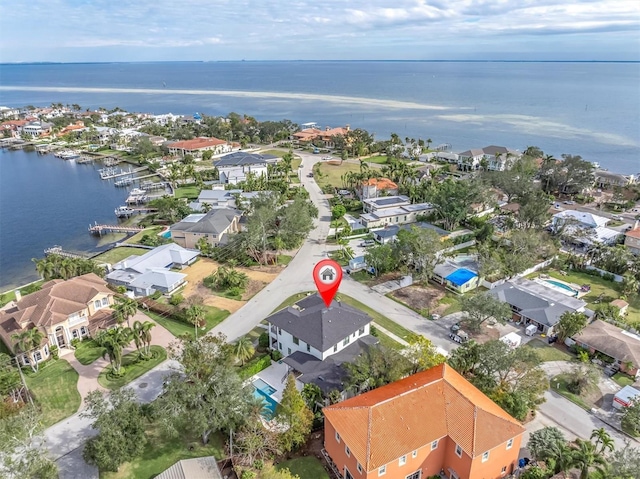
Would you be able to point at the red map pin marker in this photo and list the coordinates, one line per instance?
(327, 274)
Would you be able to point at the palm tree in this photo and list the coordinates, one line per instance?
(142, 331)
(244, 349)
(124, 309)
(195, 314)
(44, 267)
(603, 439)
(114, 341)
(27, 342)
(585, 456)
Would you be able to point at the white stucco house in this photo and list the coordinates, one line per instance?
(235, 167)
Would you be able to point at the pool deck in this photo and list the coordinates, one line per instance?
(544, 281)
(276, 377)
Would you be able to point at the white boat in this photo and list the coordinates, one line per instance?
(123, 211)
(137, 192)
(126, 181)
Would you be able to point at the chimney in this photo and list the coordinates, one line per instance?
(18, 295)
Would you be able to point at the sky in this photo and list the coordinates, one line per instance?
(210, 30)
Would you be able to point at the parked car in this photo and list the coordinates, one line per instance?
(569, 202)
(460, 336)
(310, 175)
(367, 243)
(455, 327)
(435, 316)
(616, 217)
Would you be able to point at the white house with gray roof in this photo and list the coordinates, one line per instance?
(534, 303)
(213, 226)
(151, 272)
(235, 167)
(499, 158)
(220, 198)
(587, 227)
(316, 341)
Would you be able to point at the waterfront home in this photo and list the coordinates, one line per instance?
(221, 198)
(608, 179)
(77, 127)
(433, 423)
(498, 158)
(7, 112)
(151, 272)
(61, 310)
(315, 340)
(540, 303)
(587, 228)
(213, 226)
(235, 167)
(197, 146)
(36, 128)
(632, 239)
(318, 137)
(623, 347)
(14, 126)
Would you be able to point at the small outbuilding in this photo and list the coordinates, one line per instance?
(625, 397)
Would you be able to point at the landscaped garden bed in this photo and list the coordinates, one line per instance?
(133, 367)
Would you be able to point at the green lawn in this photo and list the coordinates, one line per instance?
(54, 388)
(25, 290)
(548, 352)
(133, 368)
(118, 254)
(453, 301)
(161, 452)
(135, 239)
(381, 159)
(622, 379)
(559, 385)
(189, 192)
(331, 174)
(213, 317)
(284, 259)
(87, 352)
(305, 467)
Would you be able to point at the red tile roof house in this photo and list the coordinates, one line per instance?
(62, 310)
(310, 135)
(196, 146)
(417, 427)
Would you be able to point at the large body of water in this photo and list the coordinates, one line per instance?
(587, 109)
(46, 201)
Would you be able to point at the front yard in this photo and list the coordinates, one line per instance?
(549, 352)
(133, 368)
(213, 317)
(586, 401)
(88, 351)
(54, 389)
(161, 452)
(427, 299)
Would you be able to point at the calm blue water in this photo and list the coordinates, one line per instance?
(46, 201)
(589, 109)
(560, 285)
(269, 404)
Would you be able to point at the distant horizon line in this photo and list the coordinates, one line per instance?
(310, 61)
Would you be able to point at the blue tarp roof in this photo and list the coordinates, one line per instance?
(461, 276)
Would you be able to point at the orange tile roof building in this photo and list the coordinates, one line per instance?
(62, 310)
(198, 145)
(310, 135)
(417, 427)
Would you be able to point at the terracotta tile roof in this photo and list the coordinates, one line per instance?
(197, 143)
(389, 422)
(382, 183)
(635, 233)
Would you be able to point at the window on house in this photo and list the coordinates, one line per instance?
(415, 475)
(337, 436)
(308, 348)
(361, 331)
(359, 468)
(105, 301)
(509, 443)
(74, 333)
(346, 341)
(458, 450)
(402, 461)
(46, 350)
(434, 445)
(335, 348)
(96, 304)
(347, 474)
(279, 331)
(296, 341)
(382, 470)
(38, 356)
(504, 469)
(485, 456)
(414, 454)
(347, 451)
(280, 346)
(25, 359)
(288, 351)
(84, 331)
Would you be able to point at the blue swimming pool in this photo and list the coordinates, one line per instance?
(560, 285)
(269, 404)
(166, 234)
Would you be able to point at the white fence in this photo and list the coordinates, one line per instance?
(526, 272)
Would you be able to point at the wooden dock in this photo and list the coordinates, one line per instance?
(131, 171)
(57, 250)
(97, 229)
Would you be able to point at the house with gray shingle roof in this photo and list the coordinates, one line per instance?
(213, 226)
(534, 303)
(317, 340)
(235, 167)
